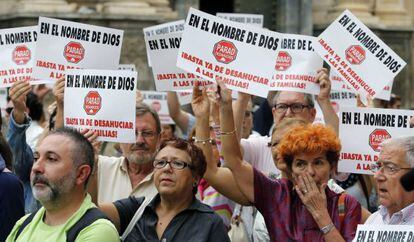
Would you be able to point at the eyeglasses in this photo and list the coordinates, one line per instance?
(387, 167)
(145, 134)
(175, 164)
(294, 107)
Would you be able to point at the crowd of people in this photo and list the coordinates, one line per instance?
(218, 177)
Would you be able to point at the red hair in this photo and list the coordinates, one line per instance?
(311, 138)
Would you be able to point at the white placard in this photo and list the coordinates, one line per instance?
(371, 233)
(362, 130)
(64, 45)
(365, 62)
(244, 18)
(185, 97)
(338, 100)
(163, 50)
(161, 29)
(339, 84)
(158, 102)
(102, 100)
(127, 67)
(17, 51)
(243, 57)
(297, 65)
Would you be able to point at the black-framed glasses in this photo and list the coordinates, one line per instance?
(388, 168)
(175, 164)
(294, 107)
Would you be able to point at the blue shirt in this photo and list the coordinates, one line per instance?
(11, 202)
(23, 160)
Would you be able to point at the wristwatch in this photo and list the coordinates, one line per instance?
(326, 229)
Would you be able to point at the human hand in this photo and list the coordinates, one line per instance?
(18, 93)
(200, 103)
(312, 196)
(322, 77)
(223, 94)
(59, 90)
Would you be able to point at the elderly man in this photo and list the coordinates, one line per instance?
(396, 158)
(63, 161)
(131, 174)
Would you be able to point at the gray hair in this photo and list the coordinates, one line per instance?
(405, 143)
(308, 99)
(143, 108)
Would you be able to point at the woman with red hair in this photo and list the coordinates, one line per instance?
(300, 208)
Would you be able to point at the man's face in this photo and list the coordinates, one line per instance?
(289, 98)
(390, 192)
(146, 144)
(53, 173)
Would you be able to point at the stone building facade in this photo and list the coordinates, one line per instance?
(392, 20)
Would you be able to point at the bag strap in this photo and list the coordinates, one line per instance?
(137, 216)
(24, 224)
(341, 208)
(90, 216)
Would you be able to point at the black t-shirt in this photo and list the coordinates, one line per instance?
(196, 223)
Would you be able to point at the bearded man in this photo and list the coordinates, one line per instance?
(62, 164)
(131, 174)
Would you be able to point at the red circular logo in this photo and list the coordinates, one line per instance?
(283, 61)
(74, 52)
(355, 54)
(92, 103)
(21, 55)
(376, 138)
(225, 51)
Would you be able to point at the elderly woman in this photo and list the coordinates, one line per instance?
(174, 214)
(302, 209)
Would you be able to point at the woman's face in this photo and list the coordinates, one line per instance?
(172, 181)
(315, 164)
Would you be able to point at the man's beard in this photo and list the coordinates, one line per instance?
(52, 191)
(145, 157)
(140, 159)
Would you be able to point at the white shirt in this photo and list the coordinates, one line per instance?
(114, 182)
(403, 217)
(259, 155)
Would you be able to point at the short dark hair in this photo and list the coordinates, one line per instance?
(143, 108)
(197, 157)
(82, 151)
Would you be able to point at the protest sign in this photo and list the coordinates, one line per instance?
(64, 45)
(17, 51)
(370, 233)
(362, 130)
(244, 18)
(3, 98)
(163, 50)
(338, 100)
(365, 62)
(158, 102)
(185, 97)
(339, 84)
(296, 65)
(241, 56)
(93, 106)
(165, 28)
(127, 67)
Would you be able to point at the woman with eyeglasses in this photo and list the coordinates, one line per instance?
(174, 214)
(300, 209)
